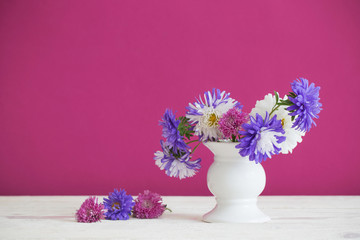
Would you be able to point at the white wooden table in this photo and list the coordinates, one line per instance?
(293, 217)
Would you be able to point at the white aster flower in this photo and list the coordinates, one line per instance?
(293, 136)
(180, 167)
(159, 156)
(206, 113)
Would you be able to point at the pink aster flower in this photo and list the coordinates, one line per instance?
(90, 211)
(230, 123)
(148, 205)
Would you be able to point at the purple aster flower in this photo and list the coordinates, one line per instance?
(230, 123)
(171, 133)
(119, 205)
(306, 105)
(262, 138)
(148, 205)
(176, 165)
(206, 113)
(90, 211)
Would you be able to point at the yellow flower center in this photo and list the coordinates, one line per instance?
(116, 205)
(283, 121)
(213, 120)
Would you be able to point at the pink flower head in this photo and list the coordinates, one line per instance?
(148, 205)
(90, 211)
(230, 123)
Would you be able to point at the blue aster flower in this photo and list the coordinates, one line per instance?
(176, 165)
(206, 113)
(171, 133)
(119, 205)
(262, 138)
(305, 104)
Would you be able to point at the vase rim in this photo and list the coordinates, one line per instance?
(210, 142)
(225, 149)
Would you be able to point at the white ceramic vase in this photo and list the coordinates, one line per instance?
(236, 183)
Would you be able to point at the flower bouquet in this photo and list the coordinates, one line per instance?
(239, 141)
(275, 125)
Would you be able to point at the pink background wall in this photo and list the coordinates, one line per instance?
(84, 83)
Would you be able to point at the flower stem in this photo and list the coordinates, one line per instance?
(195, 148)
(192, 141)
(274, 109)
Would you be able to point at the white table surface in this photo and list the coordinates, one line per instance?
(293, 217)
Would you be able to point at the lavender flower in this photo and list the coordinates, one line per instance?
(119, 205)
(176, 165)
(171, 133)
(90, 211)
(230, 123)
(305, 104)
(206, 113)
(262, 138)
(148, 205)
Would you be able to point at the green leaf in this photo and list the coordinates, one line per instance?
(291, 94)
(286, 102)
(185, 128)
(282, 104)
(276, 96)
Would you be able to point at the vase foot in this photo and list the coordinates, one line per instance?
(236, 212)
